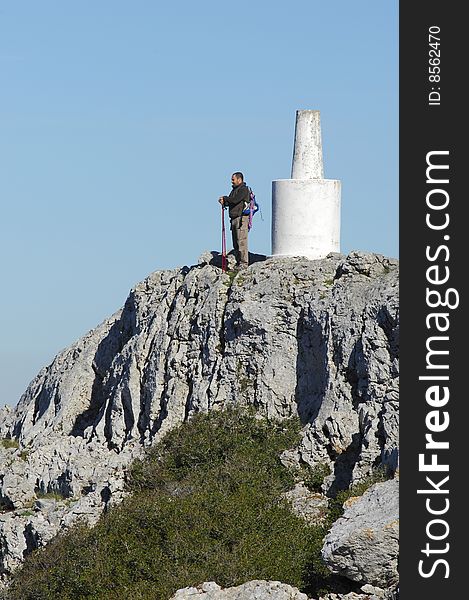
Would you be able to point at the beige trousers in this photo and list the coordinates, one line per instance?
(239, 234)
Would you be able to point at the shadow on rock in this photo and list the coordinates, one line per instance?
(311, 368)
(213, 258)
(107, 350)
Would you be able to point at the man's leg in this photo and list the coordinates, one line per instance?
(234, 237)
(243, 242)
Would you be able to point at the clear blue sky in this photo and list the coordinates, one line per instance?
(122, 121)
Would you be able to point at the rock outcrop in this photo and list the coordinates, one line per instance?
(363, 545)
(308, 505)
(269, 590)
(252, 590)
(289, 336)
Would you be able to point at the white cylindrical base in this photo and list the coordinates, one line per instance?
(305, 217)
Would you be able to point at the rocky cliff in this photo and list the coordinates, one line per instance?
(289, 336)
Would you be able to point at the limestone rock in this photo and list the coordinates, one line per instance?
(288, 336)
(308, 505)
(363, 544)
(252, 590)
(271, 590)
(23, 531)
(6, 421)
(367, 592)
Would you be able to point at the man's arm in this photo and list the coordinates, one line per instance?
(226, 201)
(240, 195)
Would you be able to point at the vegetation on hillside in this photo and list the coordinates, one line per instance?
(205, 505)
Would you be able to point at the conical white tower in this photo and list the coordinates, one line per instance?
(306, 208)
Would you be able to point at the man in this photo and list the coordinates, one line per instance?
(236, 203)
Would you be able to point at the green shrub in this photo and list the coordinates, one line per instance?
(24, 455)
(231, 277)
(9, 443)
(49, 495)
(204, 505)
(314, 476)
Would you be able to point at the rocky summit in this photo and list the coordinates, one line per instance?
(289, 336)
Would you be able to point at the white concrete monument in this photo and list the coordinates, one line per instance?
(306, 208)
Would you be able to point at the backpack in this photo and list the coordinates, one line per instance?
(251, 207)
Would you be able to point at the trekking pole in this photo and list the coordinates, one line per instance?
(223, 240)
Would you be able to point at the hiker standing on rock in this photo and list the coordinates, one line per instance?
(236, 202)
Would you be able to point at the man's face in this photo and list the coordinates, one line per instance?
(235, 180)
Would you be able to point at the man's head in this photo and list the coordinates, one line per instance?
(237, 179)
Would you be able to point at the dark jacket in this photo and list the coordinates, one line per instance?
(235, 201)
